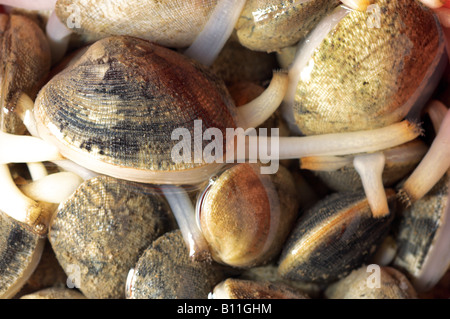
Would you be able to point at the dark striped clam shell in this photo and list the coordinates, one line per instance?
(117, 107)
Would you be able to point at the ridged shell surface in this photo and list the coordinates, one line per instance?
(24, 62)
(334, 237)
(361, 75)
(101, 230)
(270, 25)
(418, 229)
(165, 271)
(20, 251)
(171, 23)
(123, 99)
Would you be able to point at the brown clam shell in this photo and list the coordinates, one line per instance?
(246, 216)
(171, 23)
(24, 63)
(20, 251)
(232, 288)
(165, 271)
(360, 284)
(334, 237)
(102, 229)
(115, 109)
(361, 76)
(270, 25)
(55, 293)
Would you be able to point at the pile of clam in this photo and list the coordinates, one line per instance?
(100, 198)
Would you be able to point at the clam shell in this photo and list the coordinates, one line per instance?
(20, 251)
(363, 77)
(24, 63)
(171, 23)
(270, 25)
(359, 284)
(334, 237)
(247, 289)
(114, 111)
(246, 216)
(400, 161)
(421, 229)
(165, 271)
(102, 229)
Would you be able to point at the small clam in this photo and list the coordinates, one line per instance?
(165, 271)
(351, 74)
(339, 173)
(265, 206)
(54, 293)
(423, 236)
(372, 282)
(334, 237)
(20, 251)
(25, 62)
(247, 289)
(270, 25)
(102, 229)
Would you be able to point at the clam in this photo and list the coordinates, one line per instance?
(372, 282)
(102, 229)
(265, 206)
(422, 237)
(247, 289)
(165, 271)
(271, 25)
(335, 236)
(20, 252)
(25, 62)
(339, 173)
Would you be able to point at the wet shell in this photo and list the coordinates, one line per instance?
(20, 251)
(334, 237)
(25, 61)
(363, 77)
(270, 25)
(115, 110)
(171, 23)
(103, 228)
(246, 216)
(247, 289)
(372, 283)
(165, 271)
(400, 161)
(422, 237)
(55, 293)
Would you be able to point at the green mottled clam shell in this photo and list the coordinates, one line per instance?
(102, 229)
(361, 75)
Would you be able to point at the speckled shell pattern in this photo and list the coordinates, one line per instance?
(270, 25)
(418, 226)
(360, 76)
(165, 271)
(265, 206)
(171, 23)
(25, 61)
(103, 228)
(125, 96)
(392, 285)
(20, 251)
(334, 237)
